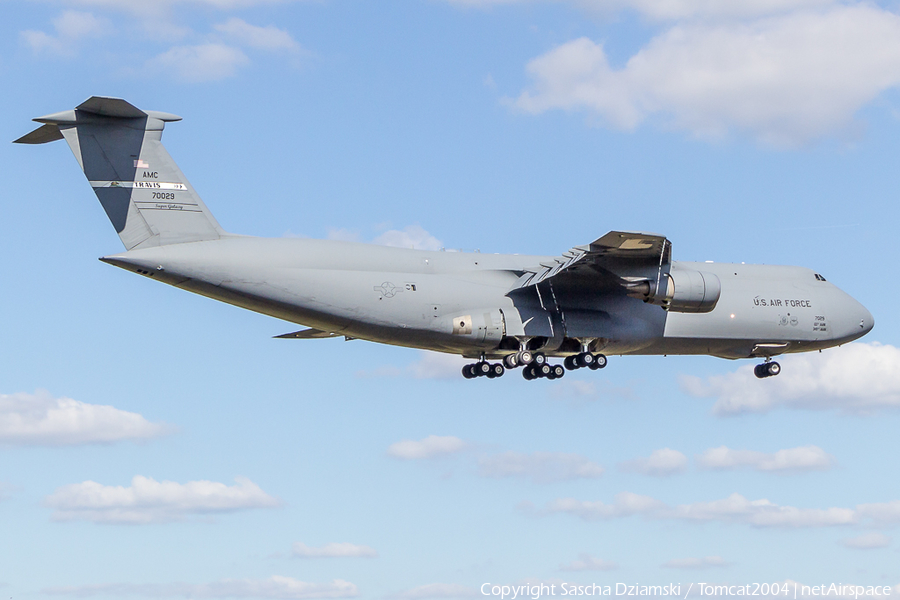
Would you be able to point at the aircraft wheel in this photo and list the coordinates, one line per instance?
(482, 368)
(497, 370)
(758, 370)
(540, 359)
(524, 357)
(557, 371)
(510, 361)
(599, 361)
(468, 372)
(772, 369)
(585, 359)
(543, 370)
(570, 363)
(528, 372)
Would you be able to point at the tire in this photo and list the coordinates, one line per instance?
(587, 359)
(525, 357)
(467, 372)
(528, 373)
(482, 368)
(510, 361)
(497, 370)
(558, 371)
(773, 369)
(759, 371)
(599, 361)
(570, 363)
(543, 370)
(540, 359)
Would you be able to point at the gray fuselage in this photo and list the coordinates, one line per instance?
(461, 303)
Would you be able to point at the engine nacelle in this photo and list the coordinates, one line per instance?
(686, 291)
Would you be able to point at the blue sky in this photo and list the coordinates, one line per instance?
(158, 444)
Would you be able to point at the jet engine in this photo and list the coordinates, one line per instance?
(685, 291)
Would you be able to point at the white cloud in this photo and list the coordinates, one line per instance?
(41, 419)
(784, 79)
(677, 9)
(412, 236)
(804, 458)
(437, 590)
(71, 27)
(432, 446)
(710, 9)
(200, 63)
(540, 467)
(332, 550)
(733, 509)
(586, 562)
(151, 501)
(695, 563)
(626, 504)
(275, 587)
(141, 5)
(662, 462)
(254, 36)
(857, 378)
(867, 541)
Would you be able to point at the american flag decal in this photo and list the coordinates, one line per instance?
(139, 164)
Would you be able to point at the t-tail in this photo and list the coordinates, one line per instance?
(144, 193)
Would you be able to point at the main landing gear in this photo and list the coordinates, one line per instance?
(770, 368)
(535, 365)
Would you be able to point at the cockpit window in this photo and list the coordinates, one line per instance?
(819, 277)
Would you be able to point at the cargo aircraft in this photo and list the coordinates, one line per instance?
(620, 294)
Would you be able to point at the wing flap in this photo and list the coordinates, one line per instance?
(308, 334)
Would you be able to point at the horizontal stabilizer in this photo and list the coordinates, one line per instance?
(41, 135)
(308, 334)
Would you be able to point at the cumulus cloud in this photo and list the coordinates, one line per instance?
(141, 5)
(733, 509)
(540, 467)
(151, 501)
(71, 27)
(785, 79)
(695, 563)
(275, 587)
(205, 62)
(586, 562)
(432, 446)
(662, 462)
(40, 419)
(667, 10)
(332, 550)
(856, 378)
(867, 541)
(625, 505)
(412, 236)
(262, 38)
(430, 365)
(437, 590)
(804, 458)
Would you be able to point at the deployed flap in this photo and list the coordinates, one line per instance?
(619, 257)
(308, 334)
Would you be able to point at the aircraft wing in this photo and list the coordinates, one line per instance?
(619, 258)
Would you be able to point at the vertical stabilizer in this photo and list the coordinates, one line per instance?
(144, 193)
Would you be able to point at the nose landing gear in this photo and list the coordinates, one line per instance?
(770, 368)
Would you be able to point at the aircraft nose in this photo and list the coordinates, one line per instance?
(857, 322)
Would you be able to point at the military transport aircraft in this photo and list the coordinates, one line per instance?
(620, 294)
